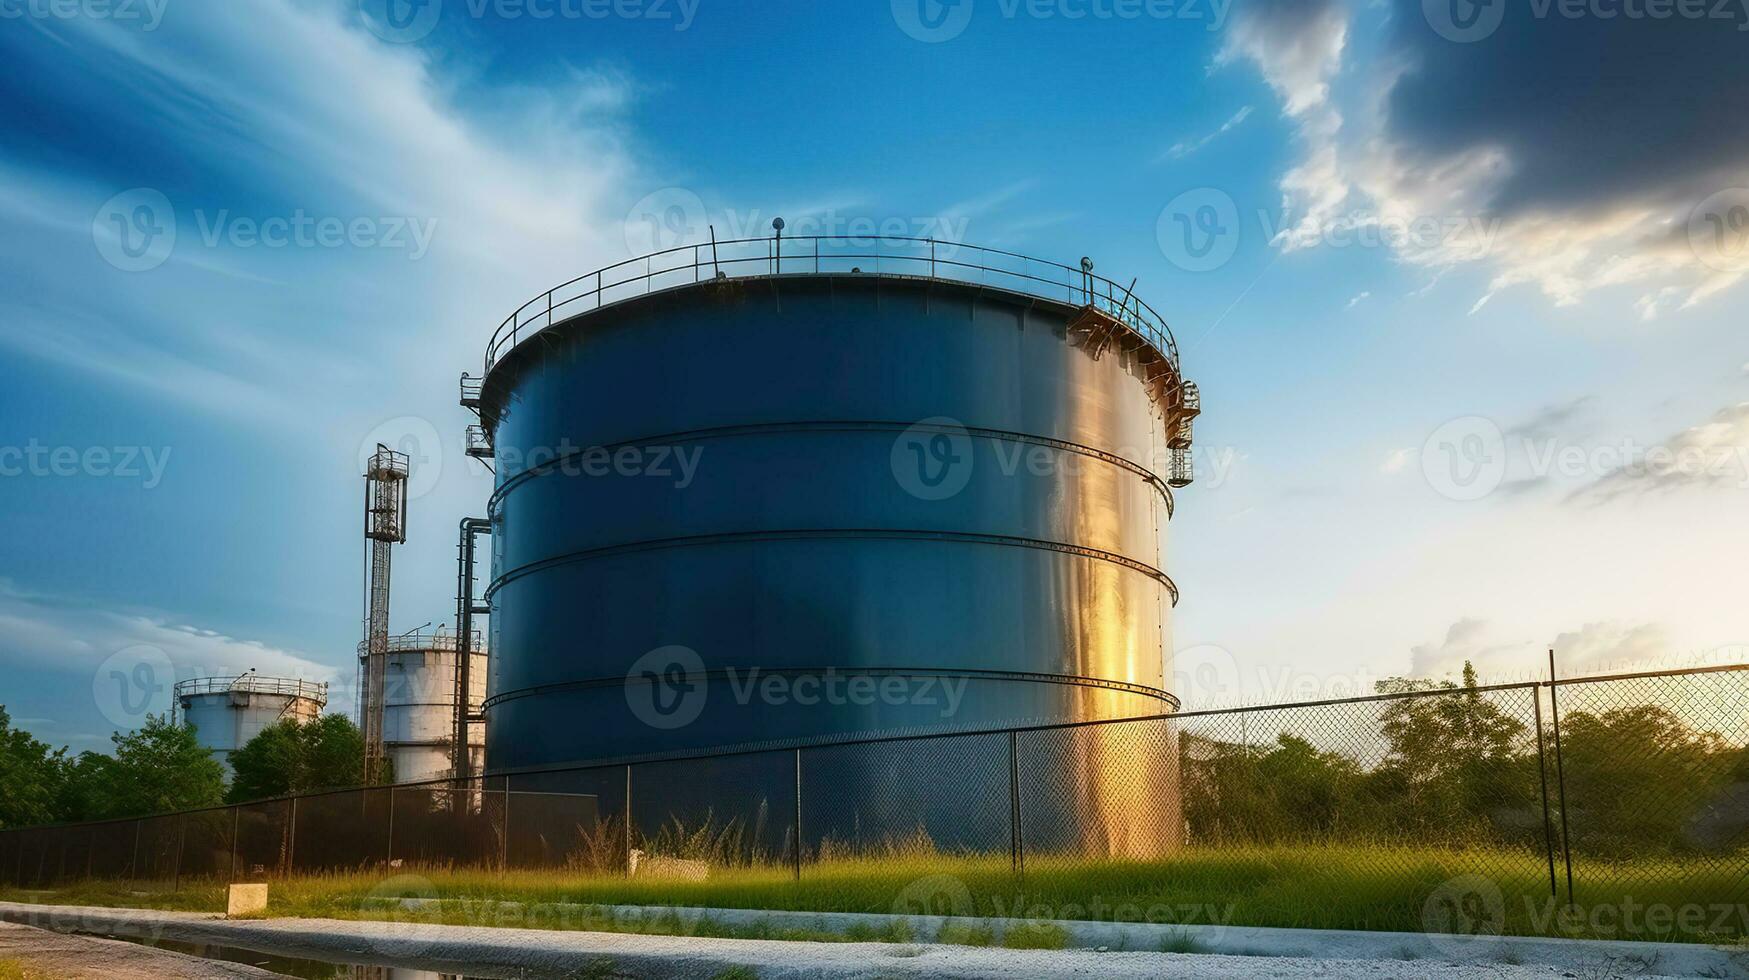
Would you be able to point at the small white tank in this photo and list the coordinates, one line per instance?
(419, 679)
(226, 712)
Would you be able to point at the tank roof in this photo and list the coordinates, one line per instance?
(253, 683)
(924, 259)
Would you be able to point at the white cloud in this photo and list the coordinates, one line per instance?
(1354, 171)
(1397, 460)
(1594, 648)
(296, 107)
(1358, 299)
(65, 636)
(1185, 148)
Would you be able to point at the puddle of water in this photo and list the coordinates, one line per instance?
(291, 966)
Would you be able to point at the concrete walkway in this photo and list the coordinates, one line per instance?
(491, 951)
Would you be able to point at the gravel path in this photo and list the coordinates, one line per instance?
(83, 958)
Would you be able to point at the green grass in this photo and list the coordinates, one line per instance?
(962, 934)
(1376, 888)
(1036, 935)
(14, 970)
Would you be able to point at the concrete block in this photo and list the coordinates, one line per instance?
(245, 899)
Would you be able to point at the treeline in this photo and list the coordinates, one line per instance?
(161, 767)
(1459, 769)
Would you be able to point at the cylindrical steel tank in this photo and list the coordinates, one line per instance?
(226, 712)
(419, 682)
(947, 491)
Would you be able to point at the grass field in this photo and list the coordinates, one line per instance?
(1375, 888)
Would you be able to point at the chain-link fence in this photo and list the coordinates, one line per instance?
(1595, 788)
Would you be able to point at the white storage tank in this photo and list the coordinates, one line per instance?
(419, 688)
(226, 712)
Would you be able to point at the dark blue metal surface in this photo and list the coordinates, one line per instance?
(814, 534)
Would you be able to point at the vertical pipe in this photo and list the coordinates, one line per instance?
(798, 830)
(1561, 777)
(1542, 773)
(1017, 843)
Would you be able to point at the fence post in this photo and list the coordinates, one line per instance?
(628, 821)
(236, 829)
(799, 803)
(389, 849)
(1561, 777)
(1017, 843)
(291, 837)
(134, 857)
(181, 841)
(1542, 773)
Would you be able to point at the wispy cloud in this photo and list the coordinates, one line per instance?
(1184, 148)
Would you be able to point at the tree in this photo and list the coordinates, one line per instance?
(1638, 777)
(32, 777)
(157, 769)
(289, 758)
(1455, 759)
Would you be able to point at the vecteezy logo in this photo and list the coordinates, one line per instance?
(932, 21)
(1463, 911)
(1464, 21)
(1465, 459)
(418, 440)
(135, 230)
(1718, 230)
(1207, 675)
(666, 687)
(932, 460)
(664, 219)
(400, 21)
(133, 683)
(1198, 231)
(398, 899)
(934, 895)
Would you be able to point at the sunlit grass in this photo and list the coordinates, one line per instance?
(1339, 887)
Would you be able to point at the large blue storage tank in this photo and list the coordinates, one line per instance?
(909, 484)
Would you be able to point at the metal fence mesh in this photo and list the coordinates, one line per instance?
(1636, 786)
(1655, 789)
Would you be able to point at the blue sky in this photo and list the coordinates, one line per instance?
(1428, 237)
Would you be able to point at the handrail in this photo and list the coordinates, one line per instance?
(253, 684)
(416, 642)
(928, 258)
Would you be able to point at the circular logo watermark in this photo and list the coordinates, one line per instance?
(932, 21)
(1464, 21)
(934, 895)
(1198, 231)
(1718, 230)
(418, 440)
(932, 459)
(664, 219)
(1462, 912)
(133, 683)
(1465, 459)
(1205, 675)
(393, 902)
(400, 21)
(666, 687)
(135, 230)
